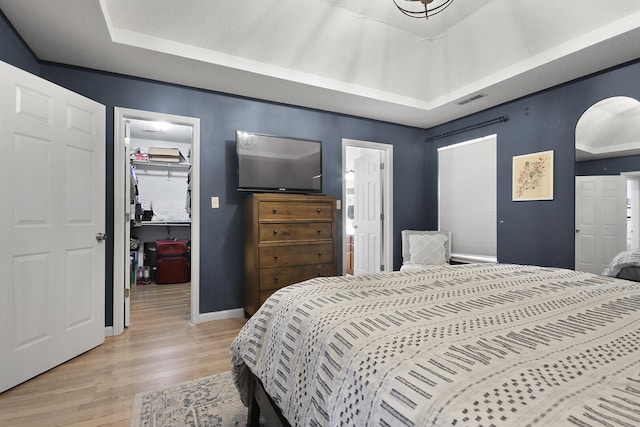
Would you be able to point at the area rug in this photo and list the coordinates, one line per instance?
(208, 401)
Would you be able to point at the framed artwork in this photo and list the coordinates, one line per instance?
(533, 176)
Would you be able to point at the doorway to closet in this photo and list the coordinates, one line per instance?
(156, 189)
(367, 195)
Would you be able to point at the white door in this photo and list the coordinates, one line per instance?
(601, 226)
(51, 219)
(367, 243)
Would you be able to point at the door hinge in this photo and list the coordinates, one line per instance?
(381, 166)
(381, 267)
(381, 217)
(126, 293)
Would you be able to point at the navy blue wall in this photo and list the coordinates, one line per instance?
(14, 50)
(537, 232)
(533, 232)
(608, 166)
(220, 116)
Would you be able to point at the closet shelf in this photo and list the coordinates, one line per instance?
(162, 223)
(181, 165)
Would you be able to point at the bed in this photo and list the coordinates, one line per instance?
(475, 344)
(625, 265)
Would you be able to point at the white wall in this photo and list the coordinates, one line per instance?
(161, 183)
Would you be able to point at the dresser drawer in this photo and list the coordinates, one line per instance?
(284, 256)
(276, 278)
(274, 210)
(284, 232)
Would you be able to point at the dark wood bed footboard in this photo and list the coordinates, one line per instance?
(262, 410)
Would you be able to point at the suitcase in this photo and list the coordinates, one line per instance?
(172, 270)
(171, 248)
(150, 258)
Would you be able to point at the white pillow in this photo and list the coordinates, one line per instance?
(427, 249)
(406, 247)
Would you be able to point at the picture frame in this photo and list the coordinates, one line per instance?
(532, 176)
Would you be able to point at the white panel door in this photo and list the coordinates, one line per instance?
(367, 245)
(601, 221)
(52, 187)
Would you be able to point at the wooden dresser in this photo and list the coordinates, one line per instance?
(287, 239)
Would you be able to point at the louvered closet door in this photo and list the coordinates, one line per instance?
(52, 184)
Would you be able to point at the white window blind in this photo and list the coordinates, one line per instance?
(467, 198)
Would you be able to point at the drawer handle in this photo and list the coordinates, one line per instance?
(319, 210)
(275, 231)
(319, 231)
(319, 253)
(276, 256)
(275, 211)
(275, 278)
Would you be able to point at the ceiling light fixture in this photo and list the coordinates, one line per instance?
(421, 9)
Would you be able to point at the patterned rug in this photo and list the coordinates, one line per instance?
(208, 401)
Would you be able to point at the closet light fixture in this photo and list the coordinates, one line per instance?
(422, 8)
(161, 126)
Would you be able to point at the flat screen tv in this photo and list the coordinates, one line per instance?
(276, 164)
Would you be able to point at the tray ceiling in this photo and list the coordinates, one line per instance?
(357, 57)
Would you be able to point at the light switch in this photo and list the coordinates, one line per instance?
(215, 202)
(338, 204)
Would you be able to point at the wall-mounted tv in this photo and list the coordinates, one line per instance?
(277, 164)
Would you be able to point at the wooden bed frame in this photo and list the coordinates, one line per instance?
(262, 407)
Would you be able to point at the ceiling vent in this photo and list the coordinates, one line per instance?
(471, 99)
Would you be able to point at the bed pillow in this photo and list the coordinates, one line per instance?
(443, 241)
(427, 249)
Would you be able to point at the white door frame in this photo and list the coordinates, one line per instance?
(119, 115)
(635, 207)
(387, 199)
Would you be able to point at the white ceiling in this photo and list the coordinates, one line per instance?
(160, 131)
(609, 128)
(358, 57)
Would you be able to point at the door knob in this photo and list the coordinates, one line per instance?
(101, 236)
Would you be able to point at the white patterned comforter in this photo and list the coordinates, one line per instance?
(478, 344)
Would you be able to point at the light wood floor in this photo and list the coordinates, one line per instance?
(159, 349)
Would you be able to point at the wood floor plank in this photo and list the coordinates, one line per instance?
(161, 348)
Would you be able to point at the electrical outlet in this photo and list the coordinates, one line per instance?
(215, 202)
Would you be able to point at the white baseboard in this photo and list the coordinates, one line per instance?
(221, 315)
(202, 317)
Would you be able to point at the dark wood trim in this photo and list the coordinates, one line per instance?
(262, 409)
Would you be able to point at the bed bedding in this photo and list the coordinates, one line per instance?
(625, 265)
(476, 344)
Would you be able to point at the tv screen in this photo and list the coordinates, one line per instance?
(277, 164)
